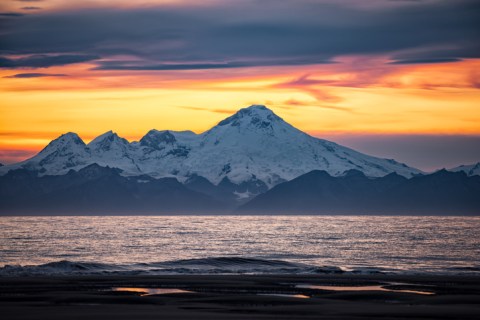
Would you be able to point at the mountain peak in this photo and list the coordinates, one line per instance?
(257, 115)
(258, 107)
(107, 141)
(69, 138)
(109, 136)
(254, 144)
(155, 138)
(66, 152)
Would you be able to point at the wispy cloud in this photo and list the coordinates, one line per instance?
(31, 8)
(11, 14)
(223, 111)
(136, 66)
(311, 86)
(425, 60)
(35, 75)
(44, 61)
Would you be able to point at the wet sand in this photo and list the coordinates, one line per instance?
(241, 297)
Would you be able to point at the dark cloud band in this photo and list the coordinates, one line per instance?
(11, 14)
(112, 65)
(433, 60)
(247, 33)
(44, 61)
(34, 75)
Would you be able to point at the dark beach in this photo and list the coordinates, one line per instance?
(241, 297)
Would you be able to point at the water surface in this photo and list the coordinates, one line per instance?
(242, 244)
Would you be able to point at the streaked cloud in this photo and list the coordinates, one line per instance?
(44, 61)
(31, 8)
(11, 14)
(423, 61)
(35, 75)
(222, 111)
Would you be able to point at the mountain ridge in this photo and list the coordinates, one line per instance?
(102, 190)
(99, 190)
(439, 193)
(469, 169)
(254, 144)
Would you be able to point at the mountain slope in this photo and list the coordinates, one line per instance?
(319, 193)
(253, 147)
(257, 143)
(470, 170)
(61, 155)
(98, 190)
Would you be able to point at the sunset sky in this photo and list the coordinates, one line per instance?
(392, 78)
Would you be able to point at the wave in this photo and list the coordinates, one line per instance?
(215, 265)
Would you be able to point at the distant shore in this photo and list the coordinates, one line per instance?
(339, 296)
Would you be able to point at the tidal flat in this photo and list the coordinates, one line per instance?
(333, 296)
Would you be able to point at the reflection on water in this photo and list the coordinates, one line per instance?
(151, 291)
(421, 244)
(298, 296)
(155, 291)
(361, 288)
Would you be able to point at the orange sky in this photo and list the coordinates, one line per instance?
(430, 98)
(350, 96)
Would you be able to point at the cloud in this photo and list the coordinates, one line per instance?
(29, 0)
(35, 75)
(294, 102)
(314, 89)
(236, 34)
(426, 60)
(223, 111)
(190, 66)
(419, 61)
(31, 8)
(113, 65)
(44, 61)
(11, 14)
(305, 80)
(8, 156)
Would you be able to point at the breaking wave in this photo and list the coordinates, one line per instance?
(216, 265)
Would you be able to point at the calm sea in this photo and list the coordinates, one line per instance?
(238, 244)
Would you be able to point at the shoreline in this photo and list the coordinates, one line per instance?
(274, 296)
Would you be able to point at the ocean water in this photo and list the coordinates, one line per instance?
(238, 244)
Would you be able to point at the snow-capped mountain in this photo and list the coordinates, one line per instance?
(62, 154)
(109, 149)
(469, 169)
(254, 144)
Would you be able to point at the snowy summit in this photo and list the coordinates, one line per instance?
(254, 144)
